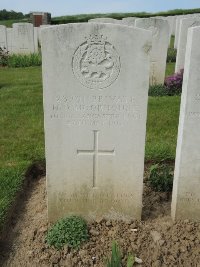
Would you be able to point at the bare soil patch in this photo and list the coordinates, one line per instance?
(156, 240)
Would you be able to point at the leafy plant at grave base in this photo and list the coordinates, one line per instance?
(157, 90)
(30, 60)
(161, 177)
(174, 83)
(3, 56)
(171, 55)
(71, 231)
(116, 258)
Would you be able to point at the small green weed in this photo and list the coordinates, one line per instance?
(157, 90)
(71, 231)
(161, 177)
(3, 56)
(171, 55)
(29, 60)
(116, 258)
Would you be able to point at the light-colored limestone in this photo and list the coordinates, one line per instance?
(160, 33)
(178, 22)
(177, 31)
(185, 24)
(10, 39)
(23, 37)
(186, 196)
(3, 37)
(39, 31)
(96, 79)
(129, 21)
(172, 24)
(36, 41)
(106, 20)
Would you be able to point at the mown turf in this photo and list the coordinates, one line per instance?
(170, 69)
(162, 123)
(22, 134)
(21, 123)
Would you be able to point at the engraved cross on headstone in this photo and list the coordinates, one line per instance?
(96, 152)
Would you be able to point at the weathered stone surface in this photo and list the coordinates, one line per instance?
(96, 79)
(3, 37)
(172, 23)
(177, 31)
(160, 33)
(10, 39)
(23, 36)
(106, 20)
(185, 24)
(39, 31)
(36, 39)
(178, 23)
(186, 198)
(129, 21)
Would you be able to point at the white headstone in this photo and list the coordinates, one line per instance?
(36, 39)
(168, 21)
(105, 20)
(185, 24)
(178, 22)
(39, 32)
(10, 39)
(96, 79)
(177, 31)
(23, 36)
(160, 33)
(172, 24)
(3, 37)
(130, 21)
(174, 18)
(186, 196)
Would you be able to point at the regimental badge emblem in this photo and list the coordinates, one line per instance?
(96, 63)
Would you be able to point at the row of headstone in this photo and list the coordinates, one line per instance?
(160, 32)
(96, 79)
(178, 22)
(185, 24)
(186, 196)
(22, 38)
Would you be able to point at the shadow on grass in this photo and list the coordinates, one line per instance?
(36, 171)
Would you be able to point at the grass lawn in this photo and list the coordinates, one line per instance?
(22, 134)
(21, 120)
(170, 69)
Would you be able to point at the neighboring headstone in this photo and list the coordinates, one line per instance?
(177, 31)
(106, 20)
(3, 37)
(96, 79)
(36, 39)
(185, 24)
(178, 21)
(130, 21)
(39, 32)
(10, 39)
(160, 33)
(173, 24)
(165, 18)
(186, 196)
(23, 36)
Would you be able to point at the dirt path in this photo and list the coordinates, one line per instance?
(156, 240)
